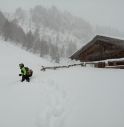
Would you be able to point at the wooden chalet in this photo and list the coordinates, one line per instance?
(100, 48)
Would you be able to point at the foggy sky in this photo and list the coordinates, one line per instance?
(97, 12)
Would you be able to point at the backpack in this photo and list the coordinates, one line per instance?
(29, 72)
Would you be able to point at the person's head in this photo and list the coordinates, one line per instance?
(21, 65)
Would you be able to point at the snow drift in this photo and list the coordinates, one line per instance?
(74, 97)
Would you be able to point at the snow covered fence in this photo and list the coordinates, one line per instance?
(98, 64)
(56, 67)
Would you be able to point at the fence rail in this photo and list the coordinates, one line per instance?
(56, 67)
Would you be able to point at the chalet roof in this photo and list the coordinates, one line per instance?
(104, 39)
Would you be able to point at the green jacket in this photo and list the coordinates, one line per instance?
(23, 71)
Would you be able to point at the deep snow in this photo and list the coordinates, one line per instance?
(74, 97)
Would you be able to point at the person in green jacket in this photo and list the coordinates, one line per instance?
(24, 73)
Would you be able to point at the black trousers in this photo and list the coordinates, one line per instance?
(25, 77)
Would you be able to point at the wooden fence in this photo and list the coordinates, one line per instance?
(57, 67)
(100, 64)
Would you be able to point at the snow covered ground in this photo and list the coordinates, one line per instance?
(74, 97)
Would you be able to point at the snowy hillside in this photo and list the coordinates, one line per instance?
(75, 97)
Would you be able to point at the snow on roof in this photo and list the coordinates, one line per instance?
(104, 39)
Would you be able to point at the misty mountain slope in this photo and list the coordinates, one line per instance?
(71, 97)
(52, 23)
